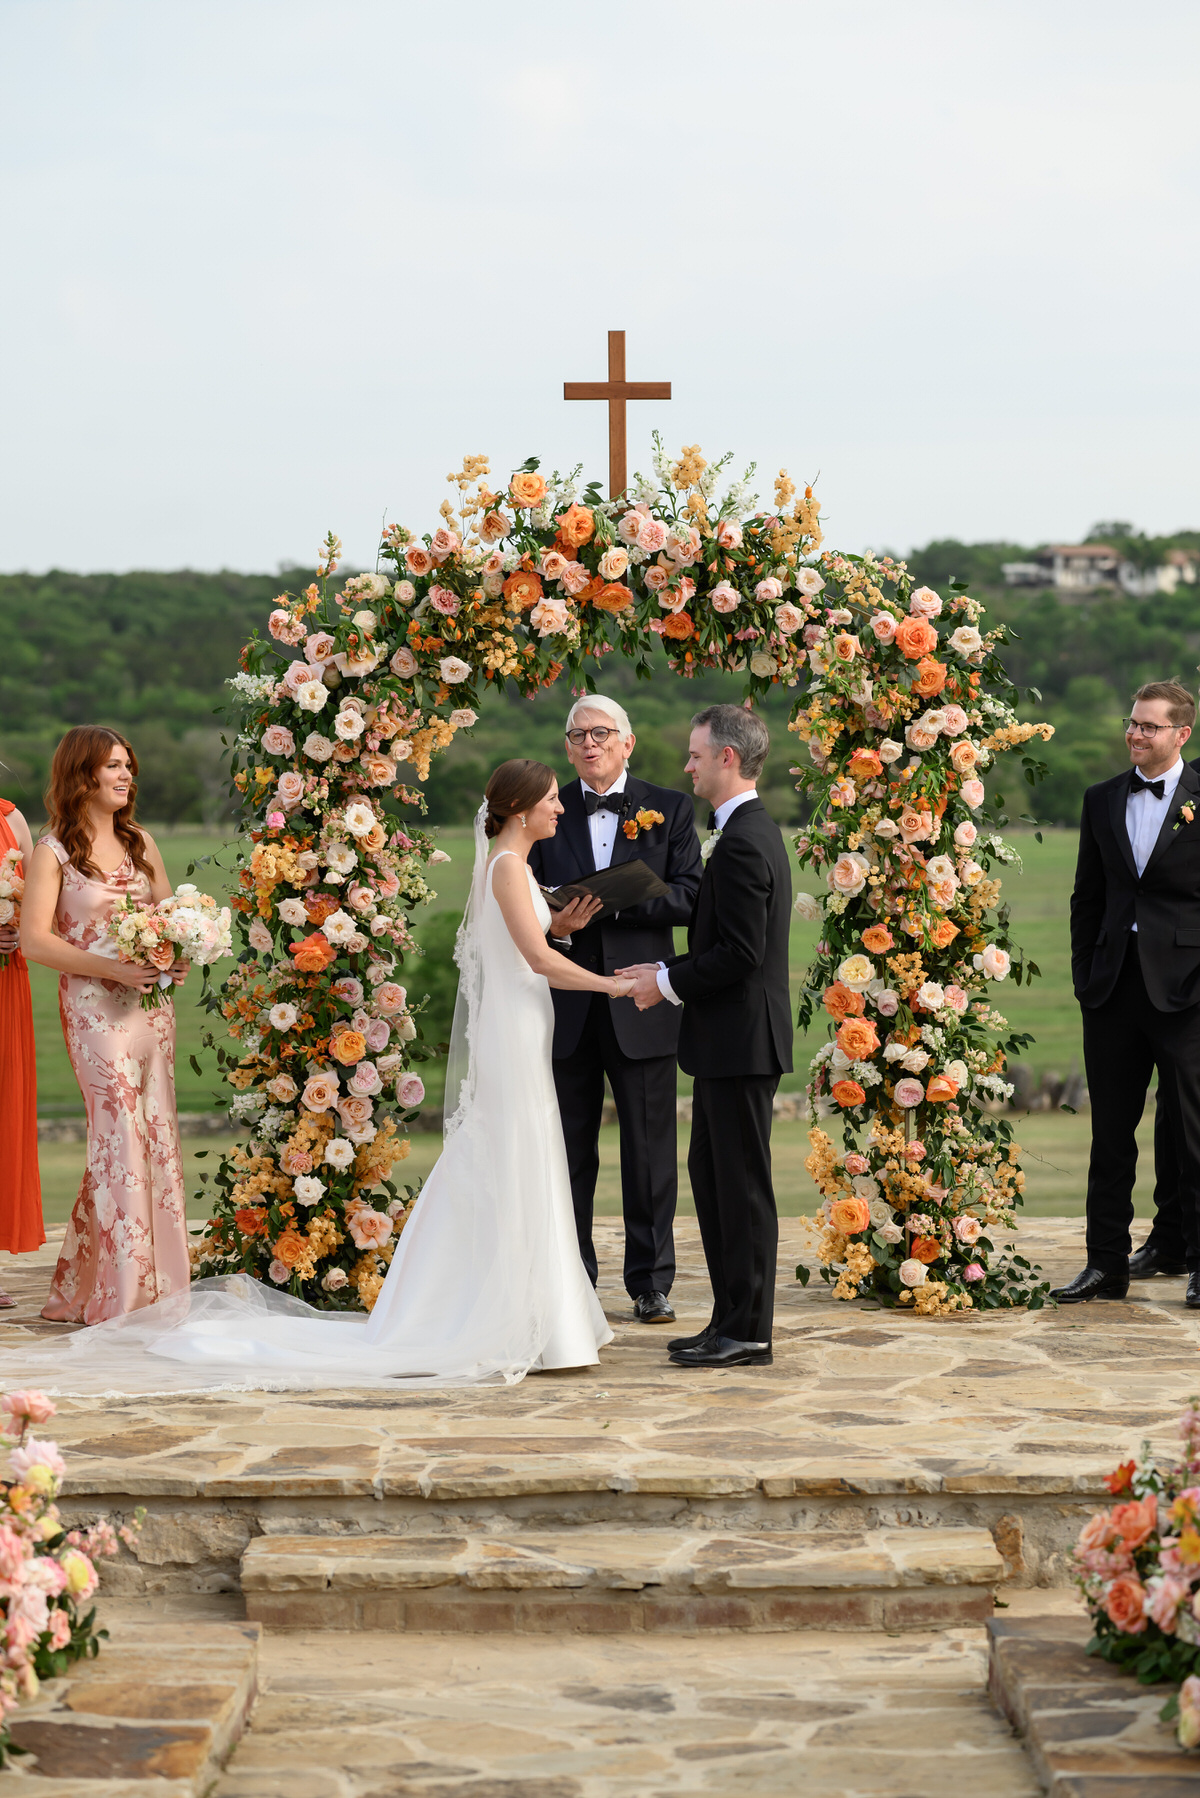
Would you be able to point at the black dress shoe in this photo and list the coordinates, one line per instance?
(1093, 1283)
(1150, 1260)
(1192, 1300)
(690, 1342)
(723, 1351)
(653, 1308)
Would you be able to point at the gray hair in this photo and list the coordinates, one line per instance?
(733, 727)
(608, 708)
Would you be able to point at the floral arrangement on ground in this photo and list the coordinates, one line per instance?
(339, 712)
(47, 1574)
(1137, 1566)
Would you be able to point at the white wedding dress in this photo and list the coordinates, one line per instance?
(486, 1284)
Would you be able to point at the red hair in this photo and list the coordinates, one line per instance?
(73, 781)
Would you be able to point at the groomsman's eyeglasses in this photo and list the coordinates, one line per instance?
(1134, 725)
(600, 734)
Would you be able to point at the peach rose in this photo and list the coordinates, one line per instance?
(418, 560)
(857, 1039)
(884, 627)
(877, 938)
(850, 1215)
(941, 1089)
(495, 525)
(724, 597)
(629, 530)
(914, 637)
(613, 564)
(320, 1092)
(375, 838)
(915, 826)
(161, 956)
(277, 739)
(390, 998)
(925, 603)
(378, 770)
(527, 489)
(1124, 1605)
(729, 534)
(789, 620)
(840, 1002)
(283, 1088)
(931, 677)
(614, 597)
(290, 1248)
(847, 1093)
(523, 589)
(355, 1111)
(576, 526)
(849, 873)
(972, 793)
(653, 536)
(370, 1229)
(963, 756)
(865, 765)
(954, 720)
(404, 663)
(656, 578)
(296, 1161)
(576, 579)
(845, 646)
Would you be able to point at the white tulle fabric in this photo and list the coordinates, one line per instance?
(486, 1284)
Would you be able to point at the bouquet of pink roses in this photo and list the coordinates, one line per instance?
(187, 926)
(12, 888)
(1138, 1568)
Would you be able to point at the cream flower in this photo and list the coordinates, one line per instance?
(317, 748)
(340, 928)
(856, 972)
(308, 1189)
(808, 581)
(453, 670)
(359, 819)
(889, 750)
(808, 907)
(282, 1017)
(339, 1152)
(311, 695)
(848, 874)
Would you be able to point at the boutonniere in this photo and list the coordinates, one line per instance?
(640, 821)
(709, 844)
(1184, 815)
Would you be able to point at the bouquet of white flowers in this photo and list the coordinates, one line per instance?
(188, 926)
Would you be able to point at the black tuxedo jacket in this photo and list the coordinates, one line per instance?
(1165, 903)
(643, 933)
(737, 1013)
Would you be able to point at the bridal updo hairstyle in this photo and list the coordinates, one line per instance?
(513, 788)
(73, 780)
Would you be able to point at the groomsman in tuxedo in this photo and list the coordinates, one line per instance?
(736, 1035)
(595, 1035)
(1135, 959)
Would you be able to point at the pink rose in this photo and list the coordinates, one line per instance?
(575, 578)
(652, 536)
(365, 1080)
(403, 663)
(887, 1004)
(768, 590)
(443, 544)
(260, 938)
(908, 1094)
(276, 820)
(320, 1092)
(789, 619)
(965, 834)
(444, 601)
(348, 988)
(729, 534)
(290, 788)
(994, 962)
(378, 1034)
(1125, 1605)
(284, 628)
(629, 530)
(968, 1229)
(410, 1090)
(849, 873)
(355, 1110)
(857, 1164)
(656, 578)
(279, 1273)
(925, 603)
(27, 1408)
(361, 898)
(954, 720)
(724, 597)
(973, 1272)
(956, 999)
(319, 648)
(370, 1229)
(277, 739)
(462, 718)
(295, 675)
(389, 998)
(884, 627)
(296, 1161)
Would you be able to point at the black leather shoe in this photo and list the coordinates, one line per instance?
(1150, 1260)
(1192, 1300)
(1093, 1283)
(690, 1342)
(653, 1308)
(723, 1351)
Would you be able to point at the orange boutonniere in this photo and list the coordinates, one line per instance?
(640, 821)
(1184, 815)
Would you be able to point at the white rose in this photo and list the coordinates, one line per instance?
(808, 581)
(349, 726)
(915, 1061)
(311, 695)
(316, 747)
(763, 665)
(453, 670)
(958, 1072)
(889, 750)
(282, 1017)
(913, 1273)
(887, 829)
(891, 1232)
(366, 621)
(808, 907)
(340, 928)
(360, 819)
(966, 640)
(308, 1189)
(339, 1152)
(292, 912)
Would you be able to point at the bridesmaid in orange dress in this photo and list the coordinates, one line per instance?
(20, 1187)
(126, 1243)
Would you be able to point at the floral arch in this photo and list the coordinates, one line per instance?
(901, 701)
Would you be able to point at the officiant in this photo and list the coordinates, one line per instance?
(610, 817)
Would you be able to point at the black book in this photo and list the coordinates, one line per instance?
(621, 888)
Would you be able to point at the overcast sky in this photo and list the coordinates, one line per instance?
(275, 265)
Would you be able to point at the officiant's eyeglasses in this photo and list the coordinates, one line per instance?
(599, 734)
(1134, 725)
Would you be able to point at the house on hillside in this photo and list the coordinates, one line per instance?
(1072, 568)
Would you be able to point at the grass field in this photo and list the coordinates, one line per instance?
(1055, 1144)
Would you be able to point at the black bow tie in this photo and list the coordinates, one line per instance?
(712, 820)
(602, 802)
(1138, 785)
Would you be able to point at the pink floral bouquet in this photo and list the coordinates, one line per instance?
(1138, 1568)
(187, 925)
(47, 1574)
(12, 889)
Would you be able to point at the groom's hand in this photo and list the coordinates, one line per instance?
(645, 984)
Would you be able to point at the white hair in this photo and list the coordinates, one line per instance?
(608, 708)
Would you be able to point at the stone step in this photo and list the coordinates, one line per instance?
(600, 1581)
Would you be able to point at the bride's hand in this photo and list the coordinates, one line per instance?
(619, 989)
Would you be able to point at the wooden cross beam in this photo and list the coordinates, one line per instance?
(616, 390)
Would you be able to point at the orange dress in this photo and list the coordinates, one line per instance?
(20, 1186)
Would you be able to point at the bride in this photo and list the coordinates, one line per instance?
(486, 1283)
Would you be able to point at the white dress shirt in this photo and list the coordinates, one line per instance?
(721, 818)
(602, 825)
(1144, 816)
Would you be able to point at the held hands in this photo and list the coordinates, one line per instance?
(645, 991)
(575, 915)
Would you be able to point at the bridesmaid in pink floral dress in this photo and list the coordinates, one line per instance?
(126, 1243)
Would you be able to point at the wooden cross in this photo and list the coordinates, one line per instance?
(616, 390)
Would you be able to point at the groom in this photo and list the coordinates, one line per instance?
(1135, 960)
(736, 1035)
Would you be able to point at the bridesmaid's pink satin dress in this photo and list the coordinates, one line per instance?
(126, 1243)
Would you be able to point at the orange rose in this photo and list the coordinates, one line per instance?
(523, 589)
(320, 906)
(375, 838)
(612, 596)
(915, 637)
(864, 765)
(943, 933)
(251, 1220)
(1136, 1522)
(348, 1046)
(964, 756)
(847, 1093)
(941, 1088)
(161, 956)
(931, 677)
(850, 1215)
(527, 489)
(877, 938)
(924, 1248)
(290, 1248)
(841, 1003)
(1124, 1602)
(576, 526)
(314, 954)
(857, 1039)
(677, 625)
